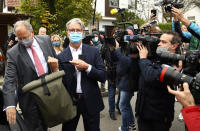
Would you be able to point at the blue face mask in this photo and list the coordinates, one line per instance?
(75, 37)
(56, 43)
(95, 39)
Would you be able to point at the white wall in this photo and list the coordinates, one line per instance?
(103, 23)
(100, 7)
(123, 4)
(194, 12)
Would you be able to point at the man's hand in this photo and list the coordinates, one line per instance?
(80, 64)
(143, 52)
(11, 43)
(11, 115)
(179, 15)
(152, 17)
(53, 62)
(184, 97)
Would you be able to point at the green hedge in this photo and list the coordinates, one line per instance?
(165, 26)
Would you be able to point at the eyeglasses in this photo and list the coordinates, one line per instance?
(75, 30)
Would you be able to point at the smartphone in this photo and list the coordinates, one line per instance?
(154, 12)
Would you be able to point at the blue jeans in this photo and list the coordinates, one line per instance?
(126, 110)
(111, 97)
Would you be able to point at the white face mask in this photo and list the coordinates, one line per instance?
(159, 50)
(27, 43)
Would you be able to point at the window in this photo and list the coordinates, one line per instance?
(191, 18)
(114, 3)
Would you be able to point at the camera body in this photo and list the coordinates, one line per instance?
(168, 4)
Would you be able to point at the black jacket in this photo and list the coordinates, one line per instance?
(127, 71)
(153, 100)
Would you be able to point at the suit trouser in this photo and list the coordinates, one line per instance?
(91, 121)
(153, 125)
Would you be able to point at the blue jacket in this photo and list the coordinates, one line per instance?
(194, 29)
(127, 71)
(89, 85)
(153, 100)
(184, 35)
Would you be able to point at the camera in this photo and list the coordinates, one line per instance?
(169, 75)
(191, 58)
(12, 37)
(150, 41)
(168, 4)
(154, 12)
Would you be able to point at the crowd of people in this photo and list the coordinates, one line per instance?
(30, 56)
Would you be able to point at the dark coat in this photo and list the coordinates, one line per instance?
(127, 71)
(89, 85)
(153, 100)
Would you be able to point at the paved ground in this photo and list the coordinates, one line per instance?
(106, 124)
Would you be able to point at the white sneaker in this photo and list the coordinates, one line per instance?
(132, 128)
(180, 117)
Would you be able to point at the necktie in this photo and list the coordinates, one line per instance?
(38, 63)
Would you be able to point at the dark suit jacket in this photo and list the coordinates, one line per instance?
(20, 71)
(89, 85)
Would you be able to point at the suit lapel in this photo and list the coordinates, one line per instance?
(26, 57)
(85, 52)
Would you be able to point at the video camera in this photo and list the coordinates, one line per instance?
(168, 4)
(169, 75)
(149, 40)
(191, 58)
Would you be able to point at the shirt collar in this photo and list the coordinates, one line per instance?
(74, 50)
(35, 44)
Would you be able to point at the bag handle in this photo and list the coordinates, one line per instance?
(44, 85)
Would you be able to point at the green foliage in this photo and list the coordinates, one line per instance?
(55, 16)
(128, 17)
(165, 26)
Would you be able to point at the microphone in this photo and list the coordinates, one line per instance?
(116, 10)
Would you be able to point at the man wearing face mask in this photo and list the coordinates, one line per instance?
(96, 40)
(154, 105)
(83, 66)
(26, 61)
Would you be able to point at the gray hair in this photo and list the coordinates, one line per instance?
(75, 20)
(25, 23)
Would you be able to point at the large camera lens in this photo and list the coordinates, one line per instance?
(169, 75)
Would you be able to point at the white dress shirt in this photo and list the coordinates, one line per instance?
(75, 56)
(40, 54)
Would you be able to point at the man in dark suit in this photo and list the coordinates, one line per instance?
(27, 61)
(83, 67)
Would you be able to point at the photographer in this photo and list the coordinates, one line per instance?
(154, 105)
(190, 112)
(128, 74)
(186, 36)
(192, 27)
